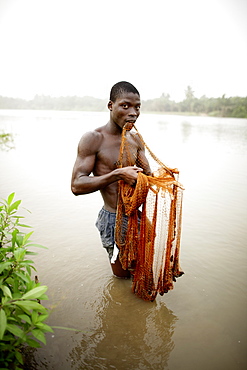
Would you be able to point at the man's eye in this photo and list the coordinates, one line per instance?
(125, 106)
(138, 107)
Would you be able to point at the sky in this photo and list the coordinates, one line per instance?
(83, 47)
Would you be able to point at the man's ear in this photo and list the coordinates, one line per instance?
(110, 105)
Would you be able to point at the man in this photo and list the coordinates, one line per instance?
(98, 153)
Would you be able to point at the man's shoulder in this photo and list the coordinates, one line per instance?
(92, 139)
(100, 131)
(97, 133)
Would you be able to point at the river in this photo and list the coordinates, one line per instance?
(202, 323)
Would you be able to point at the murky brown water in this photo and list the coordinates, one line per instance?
(201, 324)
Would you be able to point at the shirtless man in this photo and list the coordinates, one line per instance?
(98, 153)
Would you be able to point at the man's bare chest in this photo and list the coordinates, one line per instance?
(109, 153)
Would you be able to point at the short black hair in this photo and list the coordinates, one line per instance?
(122, 87)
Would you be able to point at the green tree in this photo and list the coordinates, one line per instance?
(189, 93)
(189, 99)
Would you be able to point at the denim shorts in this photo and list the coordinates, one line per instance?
(106, 225)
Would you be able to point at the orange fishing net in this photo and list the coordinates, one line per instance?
(148, 222)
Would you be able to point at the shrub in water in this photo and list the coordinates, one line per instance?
(22, 316)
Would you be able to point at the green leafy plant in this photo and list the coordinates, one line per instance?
(22, 316)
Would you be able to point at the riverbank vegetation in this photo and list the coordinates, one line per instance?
(220, 107)
(22, 315)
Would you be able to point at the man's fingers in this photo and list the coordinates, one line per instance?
(138, 169)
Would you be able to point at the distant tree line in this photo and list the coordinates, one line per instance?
(223, 107)
(43, 102)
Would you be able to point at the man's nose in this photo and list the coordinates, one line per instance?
(133, 112)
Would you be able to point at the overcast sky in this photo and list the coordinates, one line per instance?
(78, 47)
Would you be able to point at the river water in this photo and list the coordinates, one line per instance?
(202, 323)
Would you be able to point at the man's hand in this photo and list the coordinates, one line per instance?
(129, 174)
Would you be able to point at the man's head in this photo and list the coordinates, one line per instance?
(120, 88)
(124, 105)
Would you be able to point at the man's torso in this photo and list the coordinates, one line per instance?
(107, 159)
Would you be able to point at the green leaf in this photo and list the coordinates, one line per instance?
(30, 305)
(42, 317)
(43, 297)
(25, 318)
(38, 334)
(26, 237)
(22, 276)
(5, 301)
(35, 245)
(16, 331)
(27, 262)
(64, 328)
(19, 240)
(10, 198)
(3, 323)
(15, 205)
(6, 291)
(14, 233)
(10, 318)
(27, 266)
(4, 266)
(23, 225)
(19, 254)
(34, 317)
(18, 356)
(35, 293)
(32, 343)
(31, 253)
(44, 327)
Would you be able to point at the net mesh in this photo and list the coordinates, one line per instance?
(149, 243)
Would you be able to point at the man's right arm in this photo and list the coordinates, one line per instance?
(82, 182)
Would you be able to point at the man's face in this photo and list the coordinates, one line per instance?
(125, 110)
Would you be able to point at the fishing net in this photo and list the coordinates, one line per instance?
(149, 241)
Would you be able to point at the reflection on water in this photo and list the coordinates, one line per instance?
(186, 130)
(131, 334)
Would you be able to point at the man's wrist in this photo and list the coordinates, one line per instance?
(117, 173)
